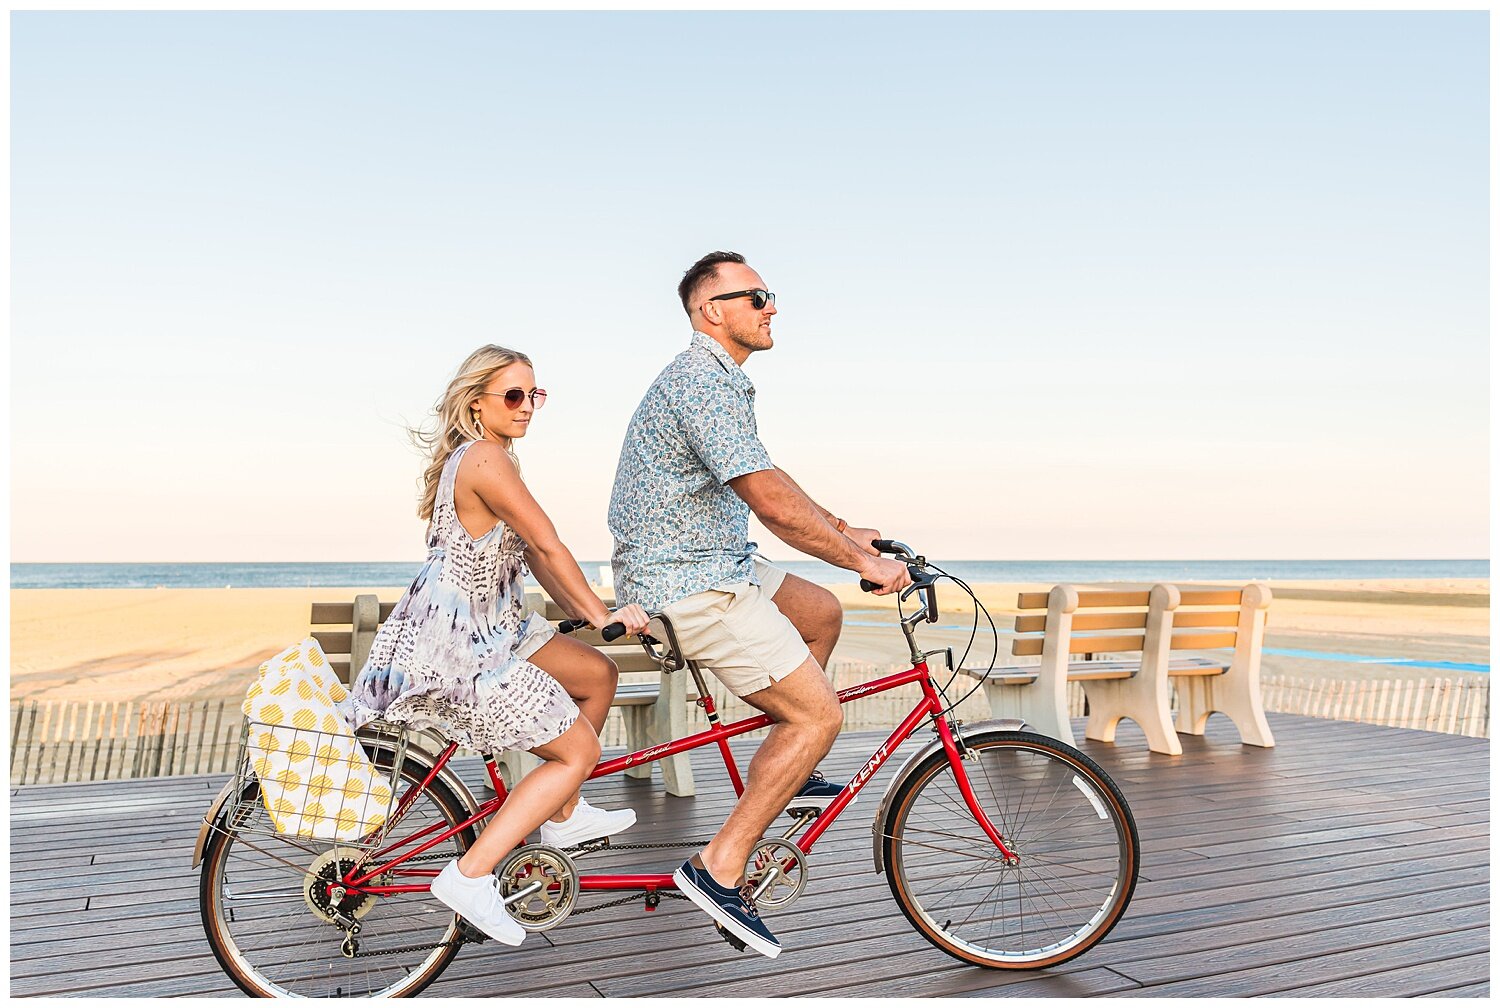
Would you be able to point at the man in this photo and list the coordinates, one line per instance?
(691, 470)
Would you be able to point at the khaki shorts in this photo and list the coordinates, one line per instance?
(737, 632)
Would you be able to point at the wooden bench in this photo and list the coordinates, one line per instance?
(1158, 622)
(652, 714)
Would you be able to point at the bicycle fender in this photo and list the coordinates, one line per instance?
(414, 750)
(208, 821)
(907, 768)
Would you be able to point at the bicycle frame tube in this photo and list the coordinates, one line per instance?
(927, 707)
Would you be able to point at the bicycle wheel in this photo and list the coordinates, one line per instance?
(1054, 807)
(269, 938)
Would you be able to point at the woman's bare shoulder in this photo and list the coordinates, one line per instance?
(487, 460)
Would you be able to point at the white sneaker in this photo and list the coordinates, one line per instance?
(587, 823)
(477, 900)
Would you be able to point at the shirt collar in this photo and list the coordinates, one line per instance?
(711, 346)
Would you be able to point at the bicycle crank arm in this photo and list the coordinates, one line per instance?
(521, 894)
(802, 820)
(772, 874)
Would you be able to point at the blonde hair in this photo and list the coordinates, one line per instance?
(456, 423)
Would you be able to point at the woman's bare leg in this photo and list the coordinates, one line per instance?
(590, 679)
(568, 760)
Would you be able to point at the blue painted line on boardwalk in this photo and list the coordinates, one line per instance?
(1338, 656)
(1360, 659)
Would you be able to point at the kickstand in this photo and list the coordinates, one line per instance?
(734, 941)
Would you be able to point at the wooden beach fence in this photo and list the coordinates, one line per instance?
(1451, 706)
(76, 740)
(53, 742)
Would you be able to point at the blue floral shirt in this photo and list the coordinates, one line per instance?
(679, 528)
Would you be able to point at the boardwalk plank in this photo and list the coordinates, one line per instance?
(1289, 978)
(1405, 982)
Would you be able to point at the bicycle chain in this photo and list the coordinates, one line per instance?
(662, 893)
(471, 936)
(468, 936)
(633, 846)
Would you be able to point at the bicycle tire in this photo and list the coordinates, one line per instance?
(292, 974)
(1078, 867)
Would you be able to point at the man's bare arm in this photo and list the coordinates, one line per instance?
(825, 512)
(861, 537)
(783, 507)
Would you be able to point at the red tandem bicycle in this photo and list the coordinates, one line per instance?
(1004, 848)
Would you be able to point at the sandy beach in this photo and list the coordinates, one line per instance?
(167, 644)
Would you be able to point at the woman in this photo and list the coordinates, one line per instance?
(459, 654)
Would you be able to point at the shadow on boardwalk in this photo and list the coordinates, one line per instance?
(1351, 860)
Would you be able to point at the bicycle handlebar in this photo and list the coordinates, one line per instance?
(920, 581)
(613, 631)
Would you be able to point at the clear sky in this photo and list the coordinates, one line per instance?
(1096, 285)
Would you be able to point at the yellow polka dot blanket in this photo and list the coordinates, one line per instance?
(315, 780)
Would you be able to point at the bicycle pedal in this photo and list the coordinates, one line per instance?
(468, 934)
(732, 939)
(588, 847)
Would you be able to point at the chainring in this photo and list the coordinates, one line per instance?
(549, 906)
(789, 881)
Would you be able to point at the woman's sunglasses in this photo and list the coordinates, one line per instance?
(515, 397)
(758, 298)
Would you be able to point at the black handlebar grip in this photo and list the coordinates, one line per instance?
(612, 632)
(865, 585)
(884, 546)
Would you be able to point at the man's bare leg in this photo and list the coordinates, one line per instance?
(808, 718)
(815, 612)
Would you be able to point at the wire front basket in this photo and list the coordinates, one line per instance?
(318, 785)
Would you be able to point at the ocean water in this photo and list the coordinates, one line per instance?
(319, 575)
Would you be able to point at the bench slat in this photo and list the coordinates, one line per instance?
(1206, 668)
(1088, 599)
(1023, 646)
(1085, 621)
(1081, 645)
(324, 613)
(637, 694)
(634, 661)
(1096, 599)
(1131, 620)
(556, 612)
(1098, 670)
(1213, 618)
(334, 641)
(1210, 596)
(1202, 641)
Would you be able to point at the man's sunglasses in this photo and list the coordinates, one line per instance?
(758, 298)
(515, 397)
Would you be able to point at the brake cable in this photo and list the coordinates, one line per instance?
(973, 634)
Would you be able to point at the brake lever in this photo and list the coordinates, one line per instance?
(924, 582)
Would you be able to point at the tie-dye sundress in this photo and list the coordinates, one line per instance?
(452, 655)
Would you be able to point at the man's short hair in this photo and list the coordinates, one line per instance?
(703, 270)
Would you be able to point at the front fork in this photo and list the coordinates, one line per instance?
(957, 752)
